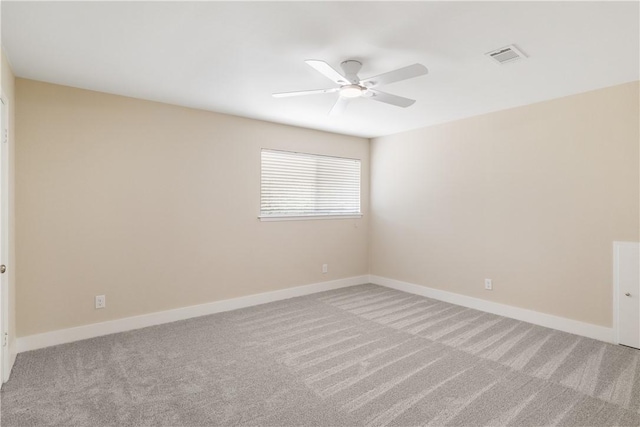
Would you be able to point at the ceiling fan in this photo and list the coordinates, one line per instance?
(351, 86)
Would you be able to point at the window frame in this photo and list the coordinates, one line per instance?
(313, 216)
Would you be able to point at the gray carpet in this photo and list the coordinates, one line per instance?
(364, 355)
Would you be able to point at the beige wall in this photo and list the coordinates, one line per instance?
(531, 197)
(156, 207)
(8, 88)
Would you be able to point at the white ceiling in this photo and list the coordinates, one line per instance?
(230, 56)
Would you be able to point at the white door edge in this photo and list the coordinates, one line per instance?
(616, 287)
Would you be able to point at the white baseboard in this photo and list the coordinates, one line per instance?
(547, 320)
(62, 336)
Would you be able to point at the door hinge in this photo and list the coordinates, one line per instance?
(5, 339)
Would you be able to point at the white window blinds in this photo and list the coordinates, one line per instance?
(297, 184)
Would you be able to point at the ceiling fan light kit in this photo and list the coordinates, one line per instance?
(351, 91)
(351, 86)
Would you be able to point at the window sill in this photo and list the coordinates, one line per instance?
(307, 217)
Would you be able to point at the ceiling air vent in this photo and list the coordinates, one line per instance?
(506, 54)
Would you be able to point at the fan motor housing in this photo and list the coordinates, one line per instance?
(351, 67)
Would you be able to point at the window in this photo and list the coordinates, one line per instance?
(308, 185)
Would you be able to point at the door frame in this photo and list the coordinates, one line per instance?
(5, 356)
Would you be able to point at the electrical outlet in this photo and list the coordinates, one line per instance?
(101, 301)
(488, 284)
(325, 268)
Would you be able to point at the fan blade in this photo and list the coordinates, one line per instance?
(405, 73)
(387, 98)
(326, 70)
(339, 106)
(305, 92)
